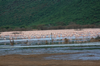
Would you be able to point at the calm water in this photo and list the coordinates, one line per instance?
(87, 53)
(77, 53)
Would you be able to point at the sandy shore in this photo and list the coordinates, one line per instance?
(38, 60)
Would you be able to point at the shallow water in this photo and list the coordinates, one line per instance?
(77, 53)
(49, 50)
(90, 55)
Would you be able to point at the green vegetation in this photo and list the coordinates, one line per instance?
(45, 14)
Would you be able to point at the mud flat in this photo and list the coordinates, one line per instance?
(55, 56)
(38, 60)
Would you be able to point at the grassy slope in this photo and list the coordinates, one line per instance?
(35, 12)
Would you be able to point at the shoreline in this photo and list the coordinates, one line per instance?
(51, 36)
(55, 45)
(38, 60)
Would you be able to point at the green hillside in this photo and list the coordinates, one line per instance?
(32, 13)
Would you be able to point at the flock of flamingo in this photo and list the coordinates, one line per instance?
(61, 34)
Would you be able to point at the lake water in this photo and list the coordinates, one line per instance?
(77, 53)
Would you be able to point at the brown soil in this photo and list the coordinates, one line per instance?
(38, 60)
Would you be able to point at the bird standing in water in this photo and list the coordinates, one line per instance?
(12, 42)
(26, 42)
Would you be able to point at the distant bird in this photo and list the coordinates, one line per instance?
(26, 42)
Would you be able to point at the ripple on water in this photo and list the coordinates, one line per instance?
(77, 56)
(87, 54)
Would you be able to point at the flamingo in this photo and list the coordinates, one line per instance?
(11, 41)
(26, 42)
(4, 39)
